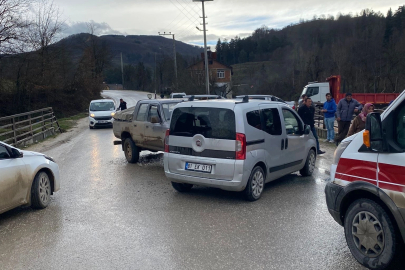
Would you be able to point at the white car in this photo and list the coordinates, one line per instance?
(26, 178)
(177, 95)
(101, 112)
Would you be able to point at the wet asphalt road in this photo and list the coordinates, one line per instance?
(113, 215)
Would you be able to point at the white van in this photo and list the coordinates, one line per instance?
(101, 112)
(366, 194)
(177, 95)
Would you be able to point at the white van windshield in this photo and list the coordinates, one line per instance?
(102, 106)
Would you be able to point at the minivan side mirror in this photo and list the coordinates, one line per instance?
(307, 129)
(373, 135)
(16, 154)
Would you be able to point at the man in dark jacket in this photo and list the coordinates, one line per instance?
(344, 113)
(123, 105)
(307, 114)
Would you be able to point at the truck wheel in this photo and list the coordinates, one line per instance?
(131, 151)
(370, 234)
(309, 164)
(182, 187)
(41, 191)
(255, 185)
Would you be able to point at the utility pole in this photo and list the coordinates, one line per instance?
(207, 77)
(174, 55)
(122, 72)
(155, 77)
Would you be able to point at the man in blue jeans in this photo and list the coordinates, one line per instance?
(307, 113)
(329, 110)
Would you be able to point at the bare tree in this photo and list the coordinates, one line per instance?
(12, 23)
(46, 25)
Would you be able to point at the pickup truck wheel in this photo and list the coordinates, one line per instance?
(131, 151)
(182, 187)
(309, 166)
(255, 185)
(370, 235)
(41, 191)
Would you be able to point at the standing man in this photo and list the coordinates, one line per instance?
(302, 102)
(123, 105)
(329, 110)
(307, 114)
(344, 112)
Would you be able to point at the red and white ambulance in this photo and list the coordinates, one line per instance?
(366, 194)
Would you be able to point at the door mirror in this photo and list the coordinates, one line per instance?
(154, 120)
(307, 130)
(373, 135)
(149, 96)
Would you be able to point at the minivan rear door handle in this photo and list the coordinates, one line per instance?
(282, 144)
(286, 143)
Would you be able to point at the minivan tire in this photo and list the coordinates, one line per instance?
(131, 151)
(371, 213)
(309, 166)
(41, 190)
(255, 184)
(182, 187)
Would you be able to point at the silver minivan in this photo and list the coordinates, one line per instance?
(236, 145)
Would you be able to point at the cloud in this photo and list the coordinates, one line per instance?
(97, 28)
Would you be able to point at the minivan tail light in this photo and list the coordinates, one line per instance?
(167, 141)
(240, 146)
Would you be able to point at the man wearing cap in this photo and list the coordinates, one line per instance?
(345, 109)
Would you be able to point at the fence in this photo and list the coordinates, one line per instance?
(21, 128)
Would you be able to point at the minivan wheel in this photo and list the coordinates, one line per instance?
(309, 164)
(370, 234)
(131, 151)
(255, 185)
(182, 187)
(41, 191)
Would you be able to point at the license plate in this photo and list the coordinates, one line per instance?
(198, 167)
(103, 122)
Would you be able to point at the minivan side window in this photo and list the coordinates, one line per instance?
(253, 119)
(291, 122)
(271, 121)
(400, 127)
(142, 112)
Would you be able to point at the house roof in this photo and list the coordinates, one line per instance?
(202, 61)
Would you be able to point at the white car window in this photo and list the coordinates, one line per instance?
(4, 153)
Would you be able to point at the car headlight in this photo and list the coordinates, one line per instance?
(113, 113)
(339, 151)
(49, 158)
(92, 115)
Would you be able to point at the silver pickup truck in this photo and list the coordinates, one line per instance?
(143, 127)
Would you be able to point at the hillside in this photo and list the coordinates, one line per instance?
(134, 49)
(366, 50)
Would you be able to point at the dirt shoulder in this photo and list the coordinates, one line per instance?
(79, 126)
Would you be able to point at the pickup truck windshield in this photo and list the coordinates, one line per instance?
(102, 106)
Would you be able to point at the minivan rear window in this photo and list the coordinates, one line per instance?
(215, 123)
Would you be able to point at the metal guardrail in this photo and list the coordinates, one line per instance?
(19, 128)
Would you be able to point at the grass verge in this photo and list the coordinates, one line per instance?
(69, 122)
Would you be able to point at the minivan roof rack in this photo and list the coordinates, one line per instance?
(245, 99)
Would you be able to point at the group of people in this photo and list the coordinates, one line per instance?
(343, 112)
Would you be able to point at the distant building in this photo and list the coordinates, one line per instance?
(220, 74)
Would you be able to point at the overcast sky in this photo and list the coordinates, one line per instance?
(226, 18)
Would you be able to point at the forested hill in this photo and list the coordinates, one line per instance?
(367, 50)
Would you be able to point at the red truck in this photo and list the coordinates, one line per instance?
(317, 91)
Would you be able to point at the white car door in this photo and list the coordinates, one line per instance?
(13, 176)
